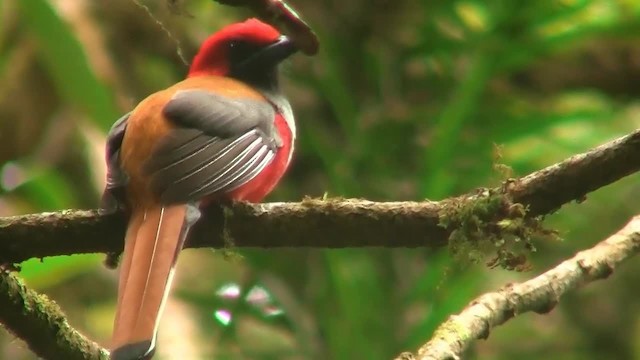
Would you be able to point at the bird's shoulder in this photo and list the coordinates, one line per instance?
(219, 85)
(215, 104)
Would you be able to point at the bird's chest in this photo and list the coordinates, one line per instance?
(260, 186)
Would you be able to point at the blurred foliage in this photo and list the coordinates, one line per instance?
(405, 101)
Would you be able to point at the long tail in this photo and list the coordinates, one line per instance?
(153, 240)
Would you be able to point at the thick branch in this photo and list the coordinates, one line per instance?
(330, 223)
(572, 179)
(40, 322)
(540, 295)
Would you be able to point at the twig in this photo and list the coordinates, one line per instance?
(539, 295)
(279, 13)
(164, 29)
(333, 223)
(41, 324)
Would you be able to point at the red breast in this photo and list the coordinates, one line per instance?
(256, 189)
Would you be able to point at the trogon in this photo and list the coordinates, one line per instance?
(225, 133)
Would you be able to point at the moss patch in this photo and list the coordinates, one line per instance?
(489, 225)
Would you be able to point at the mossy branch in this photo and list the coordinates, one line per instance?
(539, 295)
(40, 322)
(338, 223)
(509, 210)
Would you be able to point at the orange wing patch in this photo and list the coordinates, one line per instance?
(220, 85)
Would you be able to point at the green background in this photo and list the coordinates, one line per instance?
(407, 100)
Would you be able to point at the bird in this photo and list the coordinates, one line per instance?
(225, 133)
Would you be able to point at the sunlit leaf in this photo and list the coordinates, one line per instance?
(56, 270)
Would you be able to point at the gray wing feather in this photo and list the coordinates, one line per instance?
(217, 115)
(220, 145)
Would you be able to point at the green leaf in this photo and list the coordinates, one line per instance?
(45, 188)
(437, 177)
(357, 302)
(67, 63)
(55, 270)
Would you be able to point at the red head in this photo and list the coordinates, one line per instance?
(240, 49)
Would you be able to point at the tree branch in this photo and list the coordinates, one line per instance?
(41, 324)
(278, 12)
(546, 190)
(540, 295)
(333, 223)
